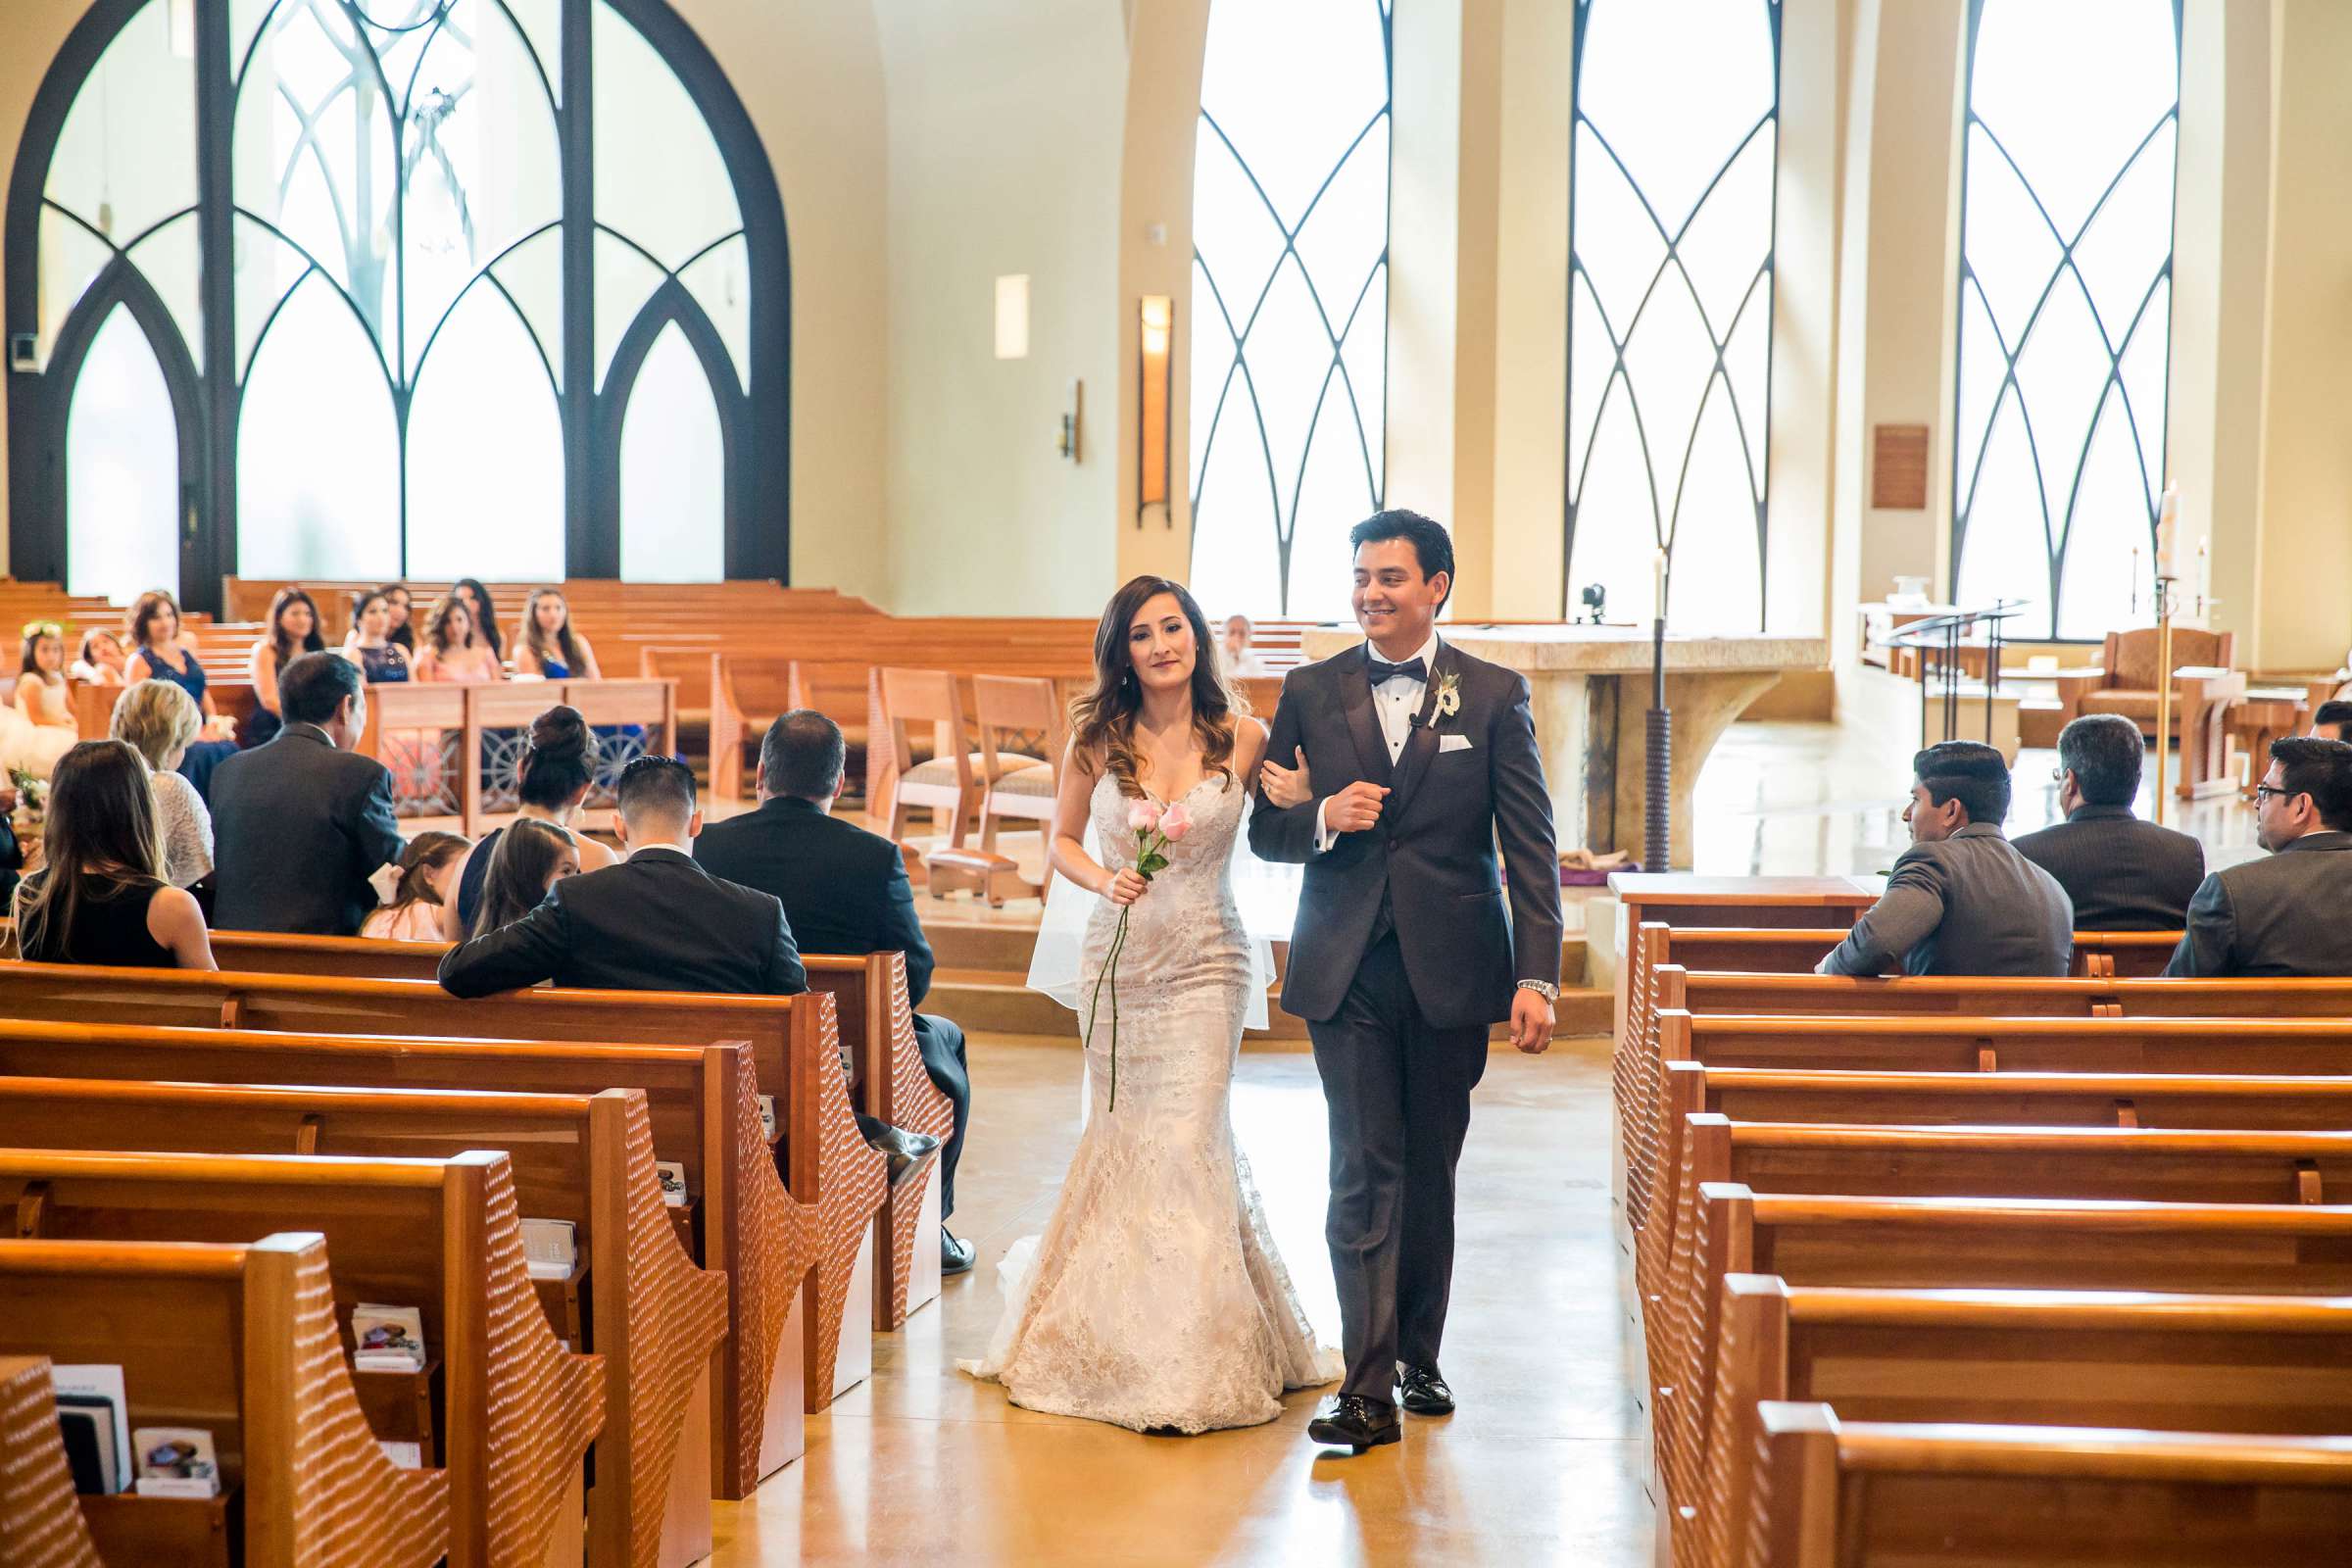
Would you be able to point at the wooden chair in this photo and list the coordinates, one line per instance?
(635, 1298)
(41, 1523)
(516, 1410)
(943, 785)
(2127, 680)
(1016, 784)
(240, 1341)
(2261, 1365)
(1859, 1494)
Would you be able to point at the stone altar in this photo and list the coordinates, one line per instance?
(1590, 687)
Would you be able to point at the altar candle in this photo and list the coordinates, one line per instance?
(1657, 595)
(2167, 514)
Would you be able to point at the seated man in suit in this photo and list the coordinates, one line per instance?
(2123, 875)
(2285, 913)
(655, 922)
(2333, 721)
(300, 824)
(843, 890)
(1961, 900)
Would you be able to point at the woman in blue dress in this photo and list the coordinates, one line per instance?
(156, 655)
(546, 645)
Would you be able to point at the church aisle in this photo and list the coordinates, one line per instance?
(1542, 1465)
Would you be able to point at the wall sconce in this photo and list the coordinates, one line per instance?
(1066, 442)
(1012, 317)
(1156, 320)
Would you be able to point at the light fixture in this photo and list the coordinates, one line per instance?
(1012, 317)
(1156, 320)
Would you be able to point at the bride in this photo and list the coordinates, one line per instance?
(1156, 1298)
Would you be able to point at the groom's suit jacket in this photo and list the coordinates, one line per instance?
(1433, 853)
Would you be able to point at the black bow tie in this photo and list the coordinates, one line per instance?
(1410, 669)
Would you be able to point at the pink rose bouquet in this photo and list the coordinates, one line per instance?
(1156, 827)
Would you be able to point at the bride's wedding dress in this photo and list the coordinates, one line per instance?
(1155, 1298)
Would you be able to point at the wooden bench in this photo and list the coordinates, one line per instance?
(507, 1410)
(636, 1297)
(2257, 1365)
(242, 1341)
(41, 1523)
(701, 1111)
(870, 997)
(1872, 1495)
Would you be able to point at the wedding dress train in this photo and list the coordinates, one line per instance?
(1156, 1298)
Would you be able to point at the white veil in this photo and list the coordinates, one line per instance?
(1266, 894)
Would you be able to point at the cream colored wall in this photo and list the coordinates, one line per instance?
(1004, 157)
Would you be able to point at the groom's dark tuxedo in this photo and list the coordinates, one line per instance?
(1403, 955)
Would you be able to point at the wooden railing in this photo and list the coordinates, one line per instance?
(454, 750)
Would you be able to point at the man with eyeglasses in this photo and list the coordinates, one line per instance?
(2123, 873)
(2288, 913)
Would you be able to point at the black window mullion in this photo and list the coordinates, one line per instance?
(591, 532)
(209, 496)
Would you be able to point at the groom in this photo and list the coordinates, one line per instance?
(1422, 758)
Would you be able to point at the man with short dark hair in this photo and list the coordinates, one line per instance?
(2122, 873)
(2286, 912)
(301, 823)
(655, 922)
(843, 890)
(1961, 900)
(2333, 721)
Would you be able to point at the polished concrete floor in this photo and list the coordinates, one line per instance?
(1542, 1464)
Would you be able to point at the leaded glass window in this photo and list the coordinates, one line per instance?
(2065, 306)
(398, 283)
(1670, 242)
(1290, 316)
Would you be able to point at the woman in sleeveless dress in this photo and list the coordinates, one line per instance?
(49, 729)
(1156, 1298)
(100, 896)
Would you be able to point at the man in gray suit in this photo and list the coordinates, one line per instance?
(1961, 900)
(2122, 873)
(2285, 913)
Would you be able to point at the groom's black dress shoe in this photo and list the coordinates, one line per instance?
(1353, 1421)
(1424, 1390)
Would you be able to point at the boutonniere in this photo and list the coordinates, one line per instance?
(1450, 693)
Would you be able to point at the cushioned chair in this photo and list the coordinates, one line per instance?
(945, 784)
(1016, 783)
(2126, 680)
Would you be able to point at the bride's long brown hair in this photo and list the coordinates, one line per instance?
(1104, 717)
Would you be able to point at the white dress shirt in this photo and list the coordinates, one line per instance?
(1394, 702)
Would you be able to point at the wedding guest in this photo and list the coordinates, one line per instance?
(42, 700)
(545, 643)
(454, 647)
(429, 869)
(2333, 721)
(843, 890)
(401, 630)
(1961, 900)
(302, 824)
(2123, 875)
(158, 653)
(476, 598)
(1240, 661)
(655, 922)
(100, 661)
(551, 784)
(370, 645)
(2283, 914)
(100, 896)
(158, 720)
(292, 629)
(530, 858)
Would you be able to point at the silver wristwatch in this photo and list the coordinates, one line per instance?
(1542, 988)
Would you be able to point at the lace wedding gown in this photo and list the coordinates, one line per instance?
(1155, 1298)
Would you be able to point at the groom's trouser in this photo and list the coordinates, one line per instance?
(1398, 1090)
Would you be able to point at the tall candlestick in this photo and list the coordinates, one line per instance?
(1657, 586)
(2168, 513)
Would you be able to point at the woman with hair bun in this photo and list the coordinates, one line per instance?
(552, 784)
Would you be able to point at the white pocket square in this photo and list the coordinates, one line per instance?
(1452, 743)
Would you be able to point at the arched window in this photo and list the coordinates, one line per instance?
(1290, 315)
(2066, 267)
(385, 276)
(1670, 242)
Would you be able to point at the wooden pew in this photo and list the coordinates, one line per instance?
(516, 1410)
(703, 1112)
(637, 1299)
(888, 1081)
(2259, 1365)
(1872, 1495)
(241, 1341)
(41, 1523)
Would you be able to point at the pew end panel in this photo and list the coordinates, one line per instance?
(41, 1520)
